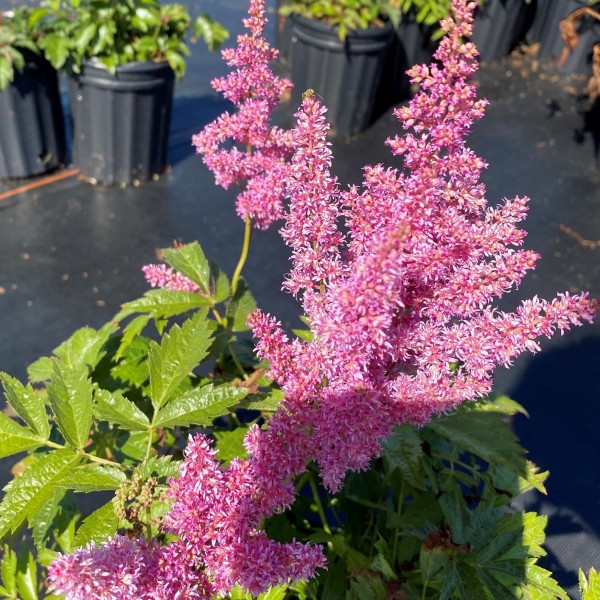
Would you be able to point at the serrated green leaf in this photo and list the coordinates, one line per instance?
(16, 438)
(541, 580)
(589, 588)
(42, 522)
(28, 405)
(403, 450)
(159, 466)
(70, 395)
(164, 304)
(432, 561)
(189, 260)
(40, 370)
(180, 351)
(8, 568)
(133, 445)
(29, 491)
(115, 408)
(220, 287)
(99, 526)
(131, 331)
(230, 444)
(132, 368)
(200, 406)
(453, 506)
(484, 433)
(93, 478)
(240, 306)
(26, 575)
(84, 347)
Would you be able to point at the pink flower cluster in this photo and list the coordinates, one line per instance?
(400, 305)
(257, 162)
(162, 276)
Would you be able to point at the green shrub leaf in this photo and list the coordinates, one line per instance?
(94, 478)
(200, 406)
(28, 492)
(28, 405)
(164, 303)
(70, 394)
(115, 408)
(240, 306)
(16, 438)
(84, 347)
(190, 261)
(26, 575)
(99, 526)
(180, 351)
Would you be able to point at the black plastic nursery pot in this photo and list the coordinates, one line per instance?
(32, 133)
(500, 25)
(345, 74)
(120, 123)
(411, 45)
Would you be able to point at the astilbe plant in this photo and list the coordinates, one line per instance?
(402, 324)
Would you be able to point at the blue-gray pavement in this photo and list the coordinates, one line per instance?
(71, 253)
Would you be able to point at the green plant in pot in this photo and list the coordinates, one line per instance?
(338, 48)
(122, 59)
(32, 138)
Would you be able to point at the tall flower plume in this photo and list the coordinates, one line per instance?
(257, 162)
(403, 326)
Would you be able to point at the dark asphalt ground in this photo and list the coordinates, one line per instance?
(71, 253)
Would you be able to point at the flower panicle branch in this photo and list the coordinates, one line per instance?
(258, 160)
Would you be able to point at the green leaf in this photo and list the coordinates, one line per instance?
(7, 73)
(589, 588)
(453, 507)
(240, 306)
(115, 408)
(133, 445)
(274, 593)
(213, 33)
(56, 49)
(84, 347)
(189, 260)
(159, 466)
(33, 488)
(94, 478)
(132, 368)
(180, 351)
(28, 405)
(200, 406)
(83, 36)
(26, 575)
(164, 303)
(98, 527)
(42, 522)
(403, 450)
(70, 394)
(131, 331)
(230, 444)
(541, 580)
(15, 438)
(40, 370)
(484, 433)
(220, 286)
(8, 567)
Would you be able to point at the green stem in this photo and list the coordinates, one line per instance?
(237, 362)
(91, 457)
(397, 529)
(243, 255)
(148, 523)
(315, 491)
